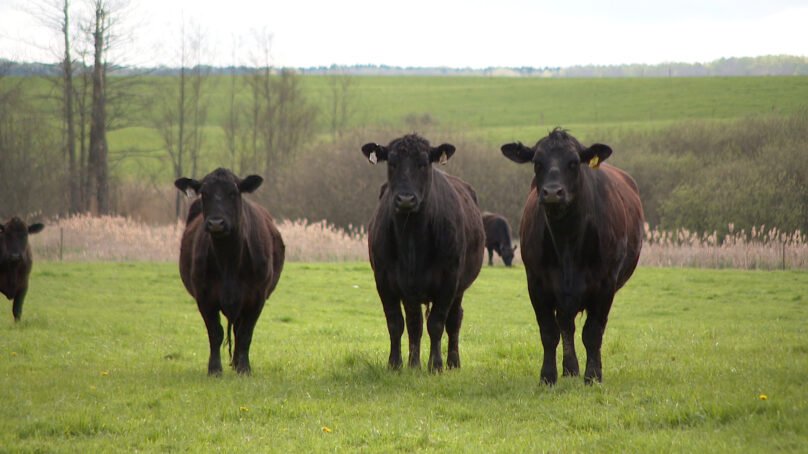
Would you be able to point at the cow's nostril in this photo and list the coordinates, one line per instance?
(405, 199)
(214, 225)
(553, 193)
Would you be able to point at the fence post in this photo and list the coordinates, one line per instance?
(61, 241)
(784, 255)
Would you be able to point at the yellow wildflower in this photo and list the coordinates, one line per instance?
(326, 429)
(243, 408)
(763, 397)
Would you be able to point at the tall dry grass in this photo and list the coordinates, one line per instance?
(115, 238)
(760, 248)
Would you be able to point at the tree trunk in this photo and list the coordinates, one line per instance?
(97, 159)
(74, 203)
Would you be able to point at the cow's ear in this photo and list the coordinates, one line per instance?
(441, 153)
(184, 184)
(35, 228)
(250, 183)
(517, 152)
(595, 154)
(374, 152)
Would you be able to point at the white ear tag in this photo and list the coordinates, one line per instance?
(443, 159)
(372, 158)
(188, 193)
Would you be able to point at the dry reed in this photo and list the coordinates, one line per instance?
(760, 248)
(115, 238)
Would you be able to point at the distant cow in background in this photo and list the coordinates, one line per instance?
(231, 257)
(581, 234)
(16, 261)
(425, 241)
(498, 237)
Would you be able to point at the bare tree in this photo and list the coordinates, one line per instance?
(282, 117)
(239, 146)
(180, 118)
(341, 85)
(98, 152)
(55, 15)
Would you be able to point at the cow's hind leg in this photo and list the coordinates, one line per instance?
(244, 327)
(570, 362)
(594, 327)
(16, 309)
(490, 257)
(435, 324)
(453, 322)
(215, 335)
(395, 325)
(415, 329)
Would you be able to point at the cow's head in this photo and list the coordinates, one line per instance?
(409, 173)
(507, 255)
(221, 198)
(14, 240)
(557, 161)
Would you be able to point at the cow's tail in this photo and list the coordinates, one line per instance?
(229, 343)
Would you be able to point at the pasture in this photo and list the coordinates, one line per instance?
(112, 357)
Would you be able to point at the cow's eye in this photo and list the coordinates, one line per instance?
(537, 167)
(573, 165)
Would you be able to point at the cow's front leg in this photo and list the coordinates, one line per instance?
(210, 314)
(16, 308)
(548, 329)
(395, 325)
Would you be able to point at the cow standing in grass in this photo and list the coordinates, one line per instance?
(581, 234)
(498, 238)
(426, 245)
(231, 257)
(16, 261)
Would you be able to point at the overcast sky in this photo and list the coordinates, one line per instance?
(454, 33)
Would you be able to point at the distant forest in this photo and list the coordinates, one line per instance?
(769, 65)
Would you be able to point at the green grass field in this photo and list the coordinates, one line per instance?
(111, 357)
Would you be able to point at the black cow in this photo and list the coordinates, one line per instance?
(498, 237)
(231, 257)
(426, 245)
(16, 261)
(581, 234)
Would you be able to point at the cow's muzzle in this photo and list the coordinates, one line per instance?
(215, 226)
(552, 193)
(14, 258)
(406, 202)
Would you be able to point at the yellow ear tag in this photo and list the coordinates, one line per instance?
(594, 162)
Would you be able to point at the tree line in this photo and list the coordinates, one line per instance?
(54, 155)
